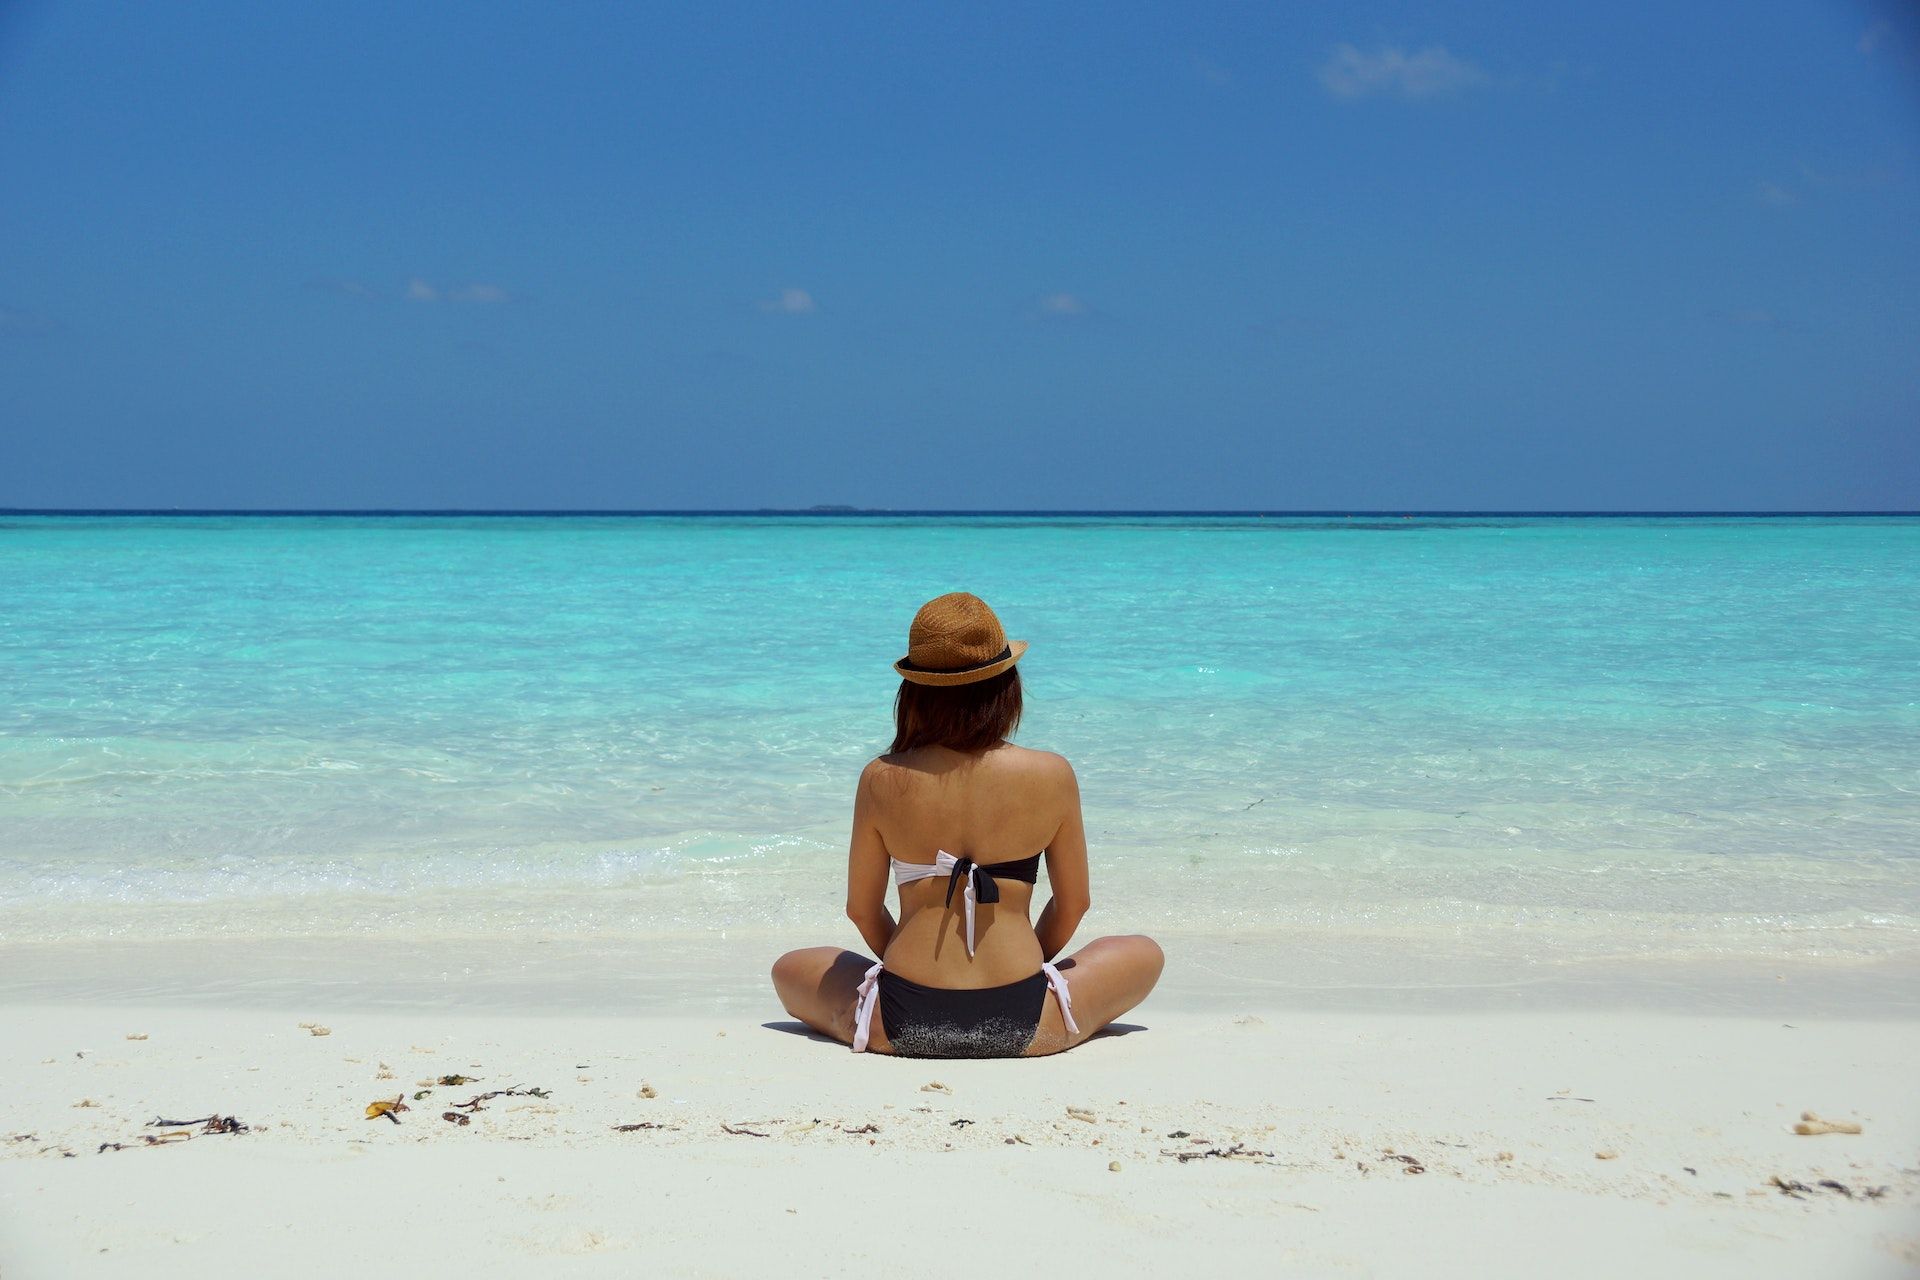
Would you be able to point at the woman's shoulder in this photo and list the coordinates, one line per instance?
(1008, 759)
(1031, 760)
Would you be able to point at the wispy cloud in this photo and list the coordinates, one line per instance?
(1426, 73)
(1210, 73)
(483, 294)
(1855, 178)
(347, 288)
(420, 290)
(1749, 317)
(789, 302)
(1811, 183)
(1892, 34)
(1061, 304)
(416, 289)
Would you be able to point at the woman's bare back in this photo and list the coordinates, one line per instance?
(996, 806)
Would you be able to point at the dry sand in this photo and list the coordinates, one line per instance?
(1469, 1143)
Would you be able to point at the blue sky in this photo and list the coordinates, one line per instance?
(1400, 256)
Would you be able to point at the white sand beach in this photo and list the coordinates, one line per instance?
(1259, 1140)
(515, 517)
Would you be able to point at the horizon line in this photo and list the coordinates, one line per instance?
(830, 512)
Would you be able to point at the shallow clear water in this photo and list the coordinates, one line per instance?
(1602, 736)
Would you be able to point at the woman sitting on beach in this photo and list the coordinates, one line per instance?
(954, 809)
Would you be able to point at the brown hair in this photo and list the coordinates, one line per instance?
(965, 717)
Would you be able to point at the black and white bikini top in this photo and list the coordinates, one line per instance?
(975, 882)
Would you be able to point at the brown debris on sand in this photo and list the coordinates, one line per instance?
(209, 1124)
(473, 1103)
(742, 1131)
(1797, 1190)
(177, 1131)
(456, 1117)
(150, 1140)
(1235, 1152)
(1811, 1125)
(642, 1124)
(388, 1107)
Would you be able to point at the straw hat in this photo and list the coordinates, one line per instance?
(956, 639)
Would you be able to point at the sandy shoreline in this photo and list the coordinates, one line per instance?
(1504, 1113)
(725, 973)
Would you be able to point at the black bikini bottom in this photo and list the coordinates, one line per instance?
(942, 1022)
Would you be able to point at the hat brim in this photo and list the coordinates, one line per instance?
(972, 675)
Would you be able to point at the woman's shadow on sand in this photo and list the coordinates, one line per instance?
(806, 1032)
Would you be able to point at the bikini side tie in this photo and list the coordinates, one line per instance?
(868, 995)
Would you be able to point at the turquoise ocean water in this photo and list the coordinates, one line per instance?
(1649, 737)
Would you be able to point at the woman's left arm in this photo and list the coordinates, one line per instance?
(867, 866)
(1066, 871)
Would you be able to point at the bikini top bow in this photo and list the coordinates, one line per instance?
(975, 882)
(976, 877)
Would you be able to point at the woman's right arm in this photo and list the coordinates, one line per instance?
(1066, 874)
(867, 866)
